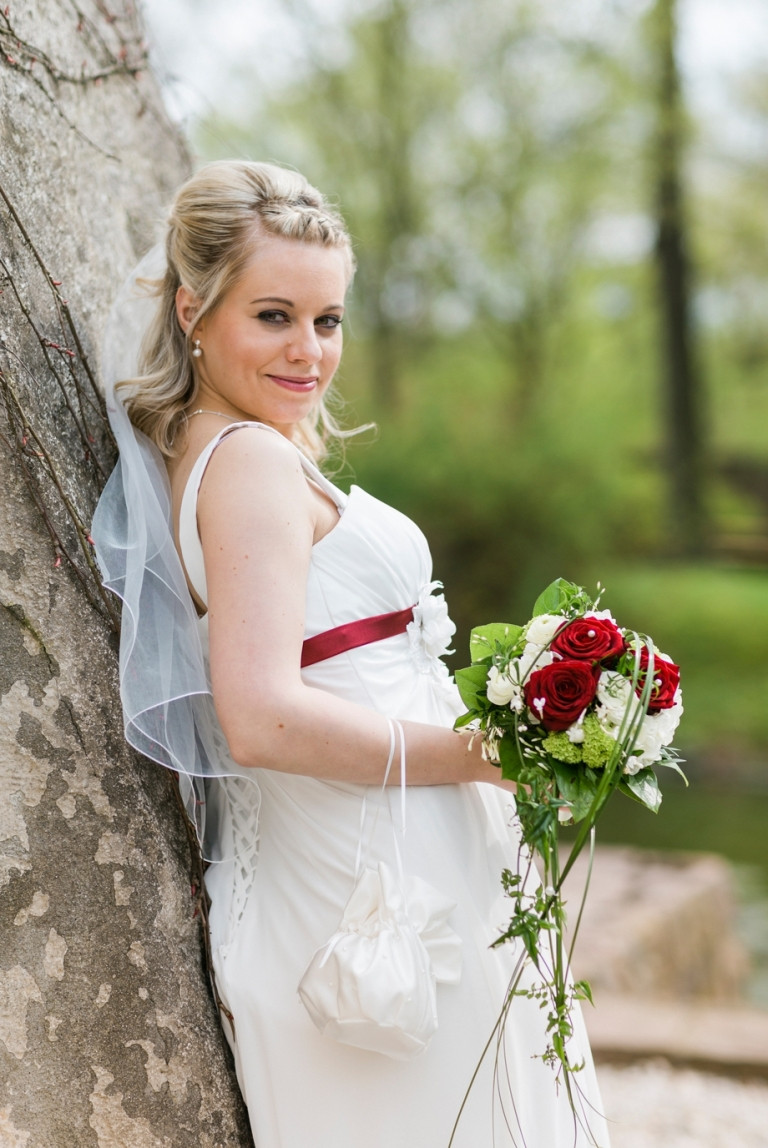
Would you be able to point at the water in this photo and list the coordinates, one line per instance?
(706, 819)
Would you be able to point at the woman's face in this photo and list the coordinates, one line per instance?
(272, 346)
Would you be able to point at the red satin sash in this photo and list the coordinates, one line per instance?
(354, 634)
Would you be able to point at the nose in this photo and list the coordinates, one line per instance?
(304, 345)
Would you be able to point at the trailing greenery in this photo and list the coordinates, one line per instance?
(568, 706)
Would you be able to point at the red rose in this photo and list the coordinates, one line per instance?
(559, 693)
(666, 679)
(593, 639)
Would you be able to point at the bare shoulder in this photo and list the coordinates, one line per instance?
(253, 458)
(256, 525)
(254, 474)
(259, 445)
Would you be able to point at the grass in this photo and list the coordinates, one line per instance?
(576, 490)
(713, 621)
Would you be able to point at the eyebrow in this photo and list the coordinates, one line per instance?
(290, 303)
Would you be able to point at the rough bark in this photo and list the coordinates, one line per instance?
(108, 1034)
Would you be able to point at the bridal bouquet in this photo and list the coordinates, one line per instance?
(572, 707)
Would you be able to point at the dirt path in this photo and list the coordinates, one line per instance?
(651, 1105)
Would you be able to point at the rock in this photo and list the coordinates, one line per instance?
(657, 924)
(718, 1038)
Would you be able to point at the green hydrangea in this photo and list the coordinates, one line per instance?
(559, 746)
(594, 750)
(597, 746)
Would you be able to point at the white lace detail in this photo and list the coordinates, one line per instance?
(244, 807)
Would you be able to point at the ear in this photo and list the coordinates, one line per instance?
(187, 307)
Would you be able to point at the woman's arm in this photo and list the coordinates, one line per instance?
(257, 550)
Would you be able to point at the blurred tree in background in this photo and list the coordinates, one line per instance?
(680, 366)
(558, 317)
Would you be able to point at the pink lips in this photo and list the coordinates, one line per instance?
(295, 384)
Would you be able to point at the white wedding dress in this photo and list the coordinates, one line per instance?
(290, 843)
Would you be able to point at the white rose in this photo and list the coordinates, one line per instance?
(503, 689)
(669, 719)
(542, 630)
(532, 658)
(656, 731)
(663, 725)
(649, 742)
(500, 688)
(634, 764)
(614, 694)
(604, 614)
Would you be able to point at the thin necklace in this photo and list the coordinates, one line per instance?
(205, 411)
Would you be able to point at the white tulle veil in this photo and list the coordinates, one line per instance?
(167, 704)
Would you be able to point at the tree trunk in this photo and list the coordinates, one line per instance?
(108, 1034)
(682, 383)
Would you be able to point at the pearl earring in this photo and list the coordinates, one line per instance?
(198, 350)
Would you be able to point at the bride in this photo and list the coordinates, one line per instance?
(273, 630)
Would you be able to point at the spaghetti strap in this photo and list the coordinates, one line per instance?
(190, 547)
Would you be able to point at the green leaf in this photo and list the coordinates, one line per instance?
(538, 822)
(560, 597)
(643, 786)
(511, 762)
(549, 600)
(577, 785)
(582, 991)
(510, 881)
(485, 640)
(671, 763)
(471, 683)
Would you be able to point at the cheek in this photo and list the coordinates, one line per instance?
(334, 353)
(221, 338)
(246, 346)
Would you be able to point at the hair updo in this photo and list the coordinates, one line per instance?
(213, 227)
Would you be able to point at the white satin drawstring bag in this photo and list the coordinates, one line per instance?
(373, 985)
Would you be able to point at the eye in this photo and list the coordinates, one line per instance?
(329, 322)
(274, 318)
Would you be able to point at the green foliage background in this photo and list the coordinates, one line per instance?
(504, 334)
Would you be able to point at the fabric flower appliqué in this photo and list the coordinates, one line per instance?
(431, 631)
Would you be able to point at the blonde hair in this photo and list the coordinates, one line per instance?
(213, 223)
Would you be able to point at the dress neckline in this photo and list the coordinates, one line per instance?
(189, 545)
